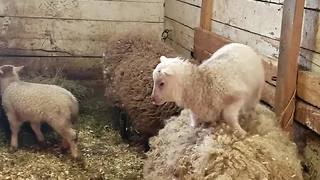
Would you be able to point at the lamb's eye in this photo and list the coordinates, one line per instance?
(161, 84)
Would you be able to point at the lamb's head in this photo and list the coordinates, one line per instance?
(9, 71)
(167, 81)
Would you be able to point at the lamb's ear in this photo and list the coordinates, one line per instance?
(18, 68)
(1, 72)
(163, 58)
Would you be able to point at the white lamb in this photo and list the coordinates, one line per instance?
(38, 103)
(229, 81)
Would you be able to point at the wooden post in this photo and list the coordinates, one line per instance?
(206, 14)
(288, 62)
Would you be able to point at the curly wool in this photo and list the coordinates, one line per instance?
(40, 101)
(182, 152)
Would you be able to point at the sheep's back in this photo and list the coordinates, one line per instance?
(30, 99)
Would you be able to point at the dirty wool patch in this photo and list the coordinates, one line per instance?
(182, 152)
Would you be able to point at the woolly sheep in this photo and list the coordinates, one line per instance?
(229, 81)
(38, 103)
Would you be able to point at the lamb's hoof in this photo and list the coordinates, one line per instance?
(242, 134)
(12, 149)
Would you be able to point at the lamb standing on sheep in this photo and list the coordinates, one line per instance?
(38, 103)
(230, 80)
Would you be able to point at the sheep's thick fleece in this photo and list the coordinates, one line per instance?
(38, 103)
(230, 80)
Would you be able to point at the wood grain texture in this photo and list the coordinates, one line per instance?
(308, 115)
(181, 34)
(71, 37)
(183, 13)
(206, 14)
(84, 10)
(309, 87)
(291, 28)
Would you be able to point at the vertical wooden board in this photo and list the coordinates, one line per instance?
(291, 28)
(182, 13)
(89, 10)
(311, 36)
(254, 16)
(206, 14)
(179, 33)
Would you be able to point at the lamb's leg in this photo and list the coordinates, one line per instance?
(70, 136)
(231, 114)
(194, 120)
(36, 127)
(15, 125)
(253, 102)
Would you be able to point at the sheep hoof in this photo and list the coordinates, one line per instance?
(12, 149)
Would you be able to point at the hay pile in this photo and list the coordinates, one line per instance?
(104, 154)
(180, 152)
(129, 62)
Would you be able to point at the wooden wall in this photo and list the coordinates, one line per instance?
(253, 22)
(71, 29)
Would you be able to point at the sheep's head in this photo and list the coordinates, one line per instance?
(167, 81)
(10, 71)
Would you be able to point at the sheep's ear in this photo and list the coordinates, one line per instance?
(18, 68)
(163, 58)
(1, 72)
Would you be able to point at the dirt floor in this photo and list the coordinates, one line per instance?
(104, 154)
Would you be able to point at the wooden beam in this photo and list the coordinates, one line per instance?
(288, 62)
(206, 14)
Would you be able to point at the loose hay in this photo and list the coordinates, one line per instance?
(104, 154)
(129, 62)
(181, 152)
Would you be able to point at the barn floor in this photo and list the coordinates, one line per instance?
(104, 154)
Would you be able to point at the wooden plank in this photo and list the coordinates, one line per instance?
(183, 13)
(308, 87)
(72, 68)
(308, 115)
(71, 37)
(312, 4)
(266, 46)
(247, 14)
(179, 33)
(193, 2)
(85, 10)
(208, 41)
(268, 94)
(288, 62)
(206, 14)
